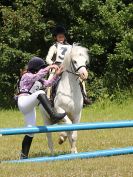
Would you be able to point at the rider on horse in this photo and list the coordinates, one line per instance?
(56, 55)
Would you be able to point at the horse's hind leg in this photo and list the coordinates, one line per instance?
(50, 143)
(49, 135)
(72, 136)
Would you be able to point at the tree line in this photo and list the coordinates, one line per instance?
(105, 27)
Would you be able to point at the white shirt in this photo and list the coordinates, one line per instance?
(59, 50)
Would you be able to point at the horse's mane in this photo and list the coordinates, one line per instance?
(76, 51)
(79, 50)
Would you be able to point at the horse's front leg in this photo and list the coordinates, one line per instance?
(49, 135)
(63, 135)
(73, 134)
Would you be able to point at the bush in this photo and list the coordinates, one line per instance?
(104, 27)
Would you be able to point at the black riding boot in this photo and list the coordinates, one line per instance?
(26, 147)
(86, 99)
(55, 117)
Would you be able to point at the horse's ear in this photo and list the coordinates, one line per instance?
(75, 44)
(87, 50)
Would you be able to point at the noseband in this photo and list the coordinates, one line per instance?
(74, 70)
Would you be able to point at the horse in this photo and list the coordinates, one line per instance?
(68, 97)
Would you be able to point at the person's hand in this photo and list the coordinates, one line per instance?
(56, 67)
(59, 71)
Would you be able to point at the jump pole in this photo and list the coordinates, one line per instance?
(82, 155)
(66, 127)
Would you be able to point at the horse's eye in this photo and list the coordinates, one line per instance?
(74, 62)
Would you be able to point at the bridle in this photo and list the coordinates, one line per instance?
(74, 70)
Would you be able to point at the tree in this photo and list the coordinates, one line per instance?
(105, 27)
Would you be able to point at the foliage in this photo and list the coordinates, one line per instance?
(105, 27)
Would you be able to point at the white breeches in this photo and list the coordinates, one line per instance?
(27, 104)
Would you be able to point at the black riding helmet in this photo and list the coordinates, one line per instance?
(35, 64)
(59, 30)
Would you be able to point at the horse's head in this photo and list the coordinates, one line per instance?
(79, 60)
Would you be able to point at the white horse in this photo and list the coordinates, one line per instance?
(68, 97)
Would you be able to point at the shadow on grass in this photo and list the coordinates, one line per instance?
(38, 154)
(48, 154)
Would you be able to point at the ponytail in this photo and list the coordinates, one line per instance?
(22, 72)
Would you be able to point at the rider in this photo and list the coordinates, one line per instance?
(31, 94)
(58, 49)
(56, 55)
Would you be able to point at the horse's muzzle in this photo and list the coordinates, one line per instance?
(83, 73)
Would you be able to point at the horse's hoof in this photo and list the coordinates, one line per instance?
(74, 151)
(62, 139)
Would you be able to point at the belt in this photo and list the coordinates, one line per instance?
(24, 92)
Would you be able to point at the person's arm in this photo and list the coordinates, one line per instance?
(41, 73)
(51, 52)
(49, 83)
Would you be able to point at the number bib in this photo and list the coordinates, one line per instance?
(61, 51)
(35, 87)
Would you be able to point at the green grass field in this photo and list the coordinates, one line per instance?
(118, 166)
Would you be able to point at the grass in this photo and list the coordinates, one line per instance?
(118, 166)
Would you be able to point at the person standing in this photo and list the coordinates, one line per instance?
(31, 94)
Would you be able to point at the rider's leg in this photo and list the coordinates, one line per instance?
(31, 101)
(50, 88)
(83, 90)
(26, 144)
(26, 106)
(55, 117)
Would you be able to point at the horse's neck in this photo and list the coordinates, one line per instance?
(69, 82)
